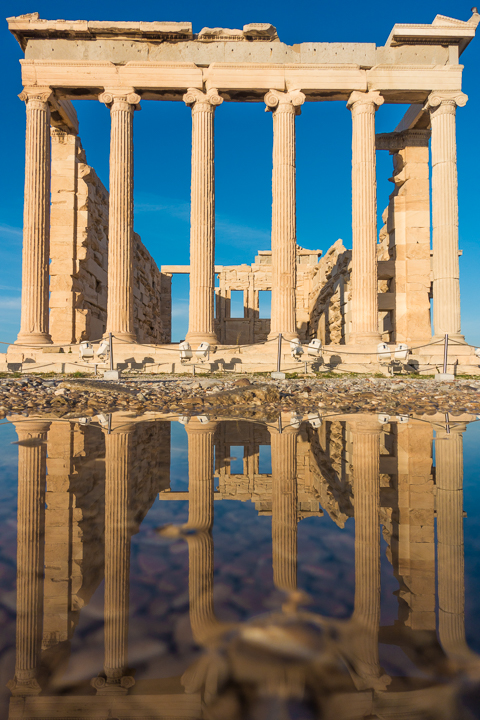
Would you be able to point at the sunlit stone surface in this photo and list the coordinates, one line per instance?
(104, 278)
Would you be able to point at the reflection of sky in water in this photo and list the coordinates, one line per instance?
(160, 638)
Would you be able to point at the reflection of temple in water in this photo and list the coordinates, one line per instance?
(83, 491)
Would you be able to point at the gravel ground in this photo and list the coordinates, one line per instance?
(257, 397)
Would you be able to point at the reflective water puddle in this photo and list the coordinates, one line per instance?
(307, 568)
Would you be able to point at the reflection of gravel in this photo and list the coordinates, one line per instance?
(257, 397)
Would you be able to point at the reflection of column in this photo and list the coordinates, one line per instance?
(284, 508)
(30, 529)
(202, 229)
(451, 582)
(120, 222)
(200, 518)
(415, 552)
(366, 469)
(285, 107)
(61, 573)
(446, 283)
(117, 563)
(364, 218)
(36, 219)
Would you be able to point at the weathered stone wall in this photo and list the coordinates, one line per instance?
(251, 485)
(79, 256)
(330, 296)
(75, 512)
(407, 235)
(251, 280)
(152, 302)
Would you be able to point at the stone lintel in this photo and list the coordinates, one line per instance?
(63, 115)
(242, 81)
(24, 27)
(183, 269)
(395, 141)
(442, 31)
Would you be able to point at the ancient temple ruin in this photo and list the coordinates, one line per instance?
(86, 273)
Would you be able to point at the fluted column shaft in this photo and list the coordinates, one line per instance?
(201, 326)
(284, 508)
(30, 555)
(366, 469)
(446, 276)
(284, 107)
(117, 563)
(450, 550)
(120, 214)
(200, 518)
(364, 219)
(36, 219)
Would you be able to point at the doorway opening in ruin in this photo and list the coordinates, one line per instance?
(265, 459)
(264, 304)
(237, 304)
(180, 303)
(236, 459)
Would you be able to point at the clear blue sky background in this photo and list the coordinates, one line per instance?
(243, 145)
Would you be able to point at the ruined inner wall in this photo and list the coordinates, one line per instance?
(407, 236)
(79, 256)
(251, 280)
(329, 299)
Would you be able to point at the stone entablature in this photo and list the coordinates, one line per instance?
(436, 44)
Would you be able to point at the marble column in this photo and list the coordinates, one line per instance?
(284, 108)
(366, 476)
(201, 326)
(122, 104)
(200, 519)
(364, 219)
(36, 219)
(446, 283)
(284, 508)
(30, 554)
(450, 549)
(118, 452)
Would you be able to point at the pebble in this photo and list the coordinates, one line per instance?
(255, 397)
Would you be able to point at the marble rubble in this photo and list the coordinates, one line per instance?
(86, 273)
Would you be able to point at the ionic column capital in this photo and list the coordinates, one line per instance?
(288, 102)
(201, 428)
(447, 102)
(205, 101)
(364, 101)
(289, 430)
(120, 99)
(36, 97)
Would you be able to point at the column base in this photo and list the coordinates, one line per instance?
(33, 339)
(456, 337)
(22, 688)
(117, 686)
(364, 339)
(288, 336)
(122, 336)
(195, 338)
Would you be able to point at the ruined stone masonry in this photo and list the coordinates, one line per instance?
(79, 256)
(84, 250)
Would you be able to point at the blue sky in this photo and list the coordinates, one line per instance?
(243, 145)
